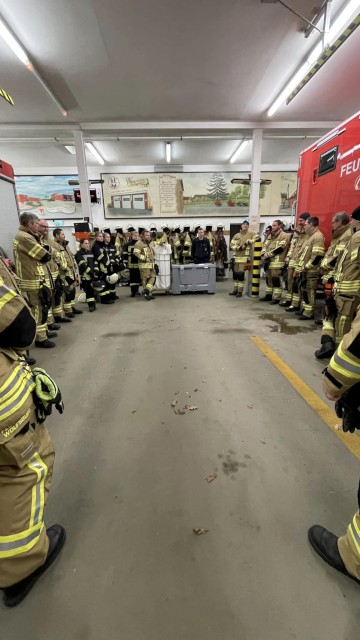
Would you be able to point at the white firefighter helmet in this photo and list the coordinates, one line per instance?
(125, 275)
(82, 297)
(130, 227)
(153, 227)
(112, 278)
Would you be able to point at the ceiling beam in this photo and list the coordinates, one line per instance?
(224, 125)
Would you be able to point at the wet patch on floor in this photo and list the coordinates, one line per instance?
(282, 326)
(224, 330)
(122, 334)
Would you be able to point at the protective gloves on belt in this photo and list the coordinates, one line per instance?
(46, 394)
(348, 408)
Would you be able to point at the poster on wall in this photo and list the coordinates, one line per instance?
(50, 197)
(195, 194)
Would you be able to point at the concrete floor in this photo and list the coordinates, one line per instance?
(129, 481)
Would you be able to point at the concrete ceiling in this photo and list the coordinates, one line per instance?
(156, 60)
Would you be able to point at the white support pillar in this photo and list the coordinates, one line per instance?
(255, 180)
(83, 175)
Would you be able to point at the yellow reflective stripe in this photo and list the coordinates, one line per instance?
(355, 533)
(34, 252)
(342, 364)
(6, 296)
(17, 378)
(14, 404)
(354, 254)
(20, 542)
(38, 491)
(10, 378)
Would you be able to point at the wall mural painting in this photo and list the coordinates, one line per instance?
(195, 194)
(50, 197)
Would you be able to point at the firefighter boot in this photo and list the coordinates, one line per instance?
(233, 293)
(325, 544)
(266, 298)
(292, 309)
(62, 319)
(285, 303)
(147, 295)
(239, 294)
(45, 344)
(76, 312)
(327, 348)
(92, 307)
(16, 593)
(275, 302)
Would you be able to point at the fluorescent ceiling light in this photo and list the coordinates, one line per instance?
(168, 151)
(240, 148)
(13, 43)
(20, 52)
(70, 148)
(336, 29)
(96, 154)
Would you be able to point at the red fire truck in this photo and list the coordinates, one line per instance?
(9, 213)
(329, 174)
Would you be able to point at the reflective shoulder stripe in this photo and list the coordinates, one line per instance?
(34, 252)
(12, 380)
(6, 295)
(355, 533)
(344, 365)
(20, 542)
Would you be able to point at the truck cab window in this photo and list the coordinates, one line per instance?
(327, 161)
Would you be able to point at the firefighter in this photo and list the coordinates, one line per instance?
(210, 236)
(175, 244)
(148, 269)
(347, 280)
(119, 240)
(274, 254)
(341, 384)
(31, 263)
(56, 309)
(113, 267)
(221, 253)
(241, 245)
(293, 297)
(308, 267)
(163, 235)
(101, 266)
(153, 232)
(340, 237)
(131, 262)
(27, 548)
(68, 272)
(85, 261)
(186, 245)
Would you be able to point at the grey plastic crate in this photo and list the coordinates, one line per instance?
(193, 277)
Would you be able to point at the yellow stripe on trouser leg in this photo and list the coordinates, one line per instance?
(50, 317)
(349, 547)
(148, 277)
(39, 315)
(57, 310)
(23, 548)
(309, 296)
(328, 329)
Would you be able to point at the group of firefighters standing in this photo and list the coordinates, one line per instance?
(294, 265)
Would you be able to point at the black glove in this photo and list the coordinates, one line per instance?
(69, 280)
(157, 270)
(347, 408)
(59, 286)
(226, 265)
(45, 295)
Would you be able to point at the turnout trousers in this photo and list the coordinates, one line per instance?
(26, 466)
(239, 276)
(148, 277)
(273, 283)
(40, 314)
(349, 544)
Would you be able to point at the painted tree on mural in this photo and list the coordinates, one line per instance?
(217, 187)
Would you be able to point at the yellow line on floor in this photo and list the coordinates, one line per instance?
(351, 441)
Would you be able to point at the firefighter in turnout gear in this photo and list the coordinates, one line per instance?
(175, 244)
(32, 267)
(340, 238)
(186, 243)
(210, 236)
(56, 309)
(148, 269)
(120, 240)
(131, 262)
(68, 272)
(113, 268)
(341, 384)
(274, 254)
(292, 300)
(347, 280)
(308, 267)
(241, 245)
(85, 261)
(221, 253)
(27, 548)
(101, 265)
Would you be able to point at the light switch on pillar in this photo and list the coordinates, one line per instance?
(83, 174)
